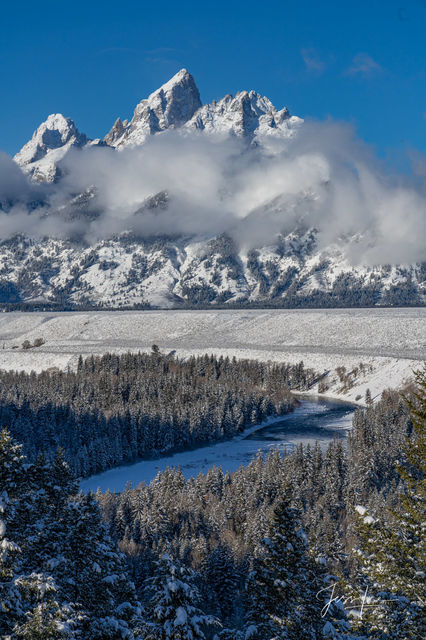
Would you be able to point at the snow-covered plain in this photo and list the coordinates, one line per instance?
(390, 342)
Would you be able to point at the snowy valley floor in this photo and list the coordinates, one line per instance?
(389, 342)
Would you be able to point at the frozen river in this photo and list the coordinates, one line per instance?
(320, 420)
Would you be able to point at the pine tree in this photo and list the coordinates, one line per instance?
(368, 398)
(222, 579)
(393, 552)
(60, 574)
(11, 480)
(284, 583)
(173, 608)
(95, 578)
(44, 620)
(27, 595)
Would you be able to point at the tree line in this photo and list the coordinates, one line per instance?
(114, 409)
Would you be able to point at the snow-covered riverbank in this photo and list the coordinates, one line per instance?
(313, 421)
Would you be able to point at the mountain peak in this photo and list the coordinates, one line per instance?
(49, 143)
(175, 105)
(176, 101)
(56, 121)
(170, 106)
(247, 115)
(181, 77)
(55, 132)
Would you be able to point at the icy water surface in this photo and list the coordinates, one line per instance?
(315, 420)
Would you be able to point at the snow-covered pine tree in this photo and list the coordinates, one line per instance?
(96, 579)
(11, 481)
(283, 586)
(60, 573)
(173, 607)
(287, 589)
(44, 620)
(393, 555)
(27, 595)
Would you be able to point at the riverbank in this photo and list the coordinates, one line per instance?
(308, 422)
(174, 459)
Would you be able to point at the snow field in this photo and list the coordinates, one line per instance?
(389, 342)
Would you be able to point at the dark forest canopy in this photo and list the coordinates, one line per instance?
(249, 555)
(114, 409)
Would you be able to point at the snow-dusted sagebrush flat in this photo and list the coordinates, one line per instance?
(390, 343)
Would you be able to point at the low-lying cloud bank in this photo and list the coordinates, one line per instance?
(324, 178)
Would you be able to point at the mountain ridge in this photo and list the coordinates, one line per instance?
(182, 268)
(175, 105)
(128, 271)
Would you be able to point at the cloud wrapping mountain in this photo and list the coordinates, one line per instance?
(236, 166)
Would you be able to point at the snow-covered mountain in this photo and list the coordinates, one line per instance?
(50, 142)
(170, 107)
(175, 105)
(248, 115)
(182, 269)
(166, 272)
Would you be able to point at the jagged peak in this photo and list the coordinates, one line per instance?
(181, 86)
(181, 77)
(170, 106)
(59, 122)
(56, 122)
(116, 131)
(56, 133)
(255, 99)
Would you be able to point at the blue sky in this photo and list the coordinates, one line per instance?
(363, 62)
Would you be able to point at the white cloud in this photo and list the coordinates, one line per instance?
(313, 62)
(363, 64)
(324, 177)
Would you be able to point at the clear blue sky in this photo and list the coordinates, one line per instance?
(363, 62)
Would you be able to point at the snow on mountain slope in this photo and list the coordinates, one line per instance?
(175, 105)
(171, 106)
(164, 272)
(50, 142)
(248, 115)
(189, 268)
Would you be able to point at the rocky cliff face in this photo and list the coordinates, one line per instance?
(177, 104)
(170, 107)
(248, 115)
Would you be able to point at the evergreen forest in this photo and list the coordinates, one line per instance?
(316, 544)
(117, 408)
